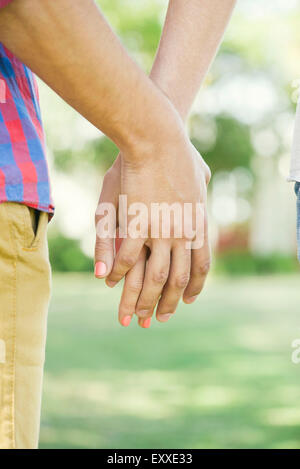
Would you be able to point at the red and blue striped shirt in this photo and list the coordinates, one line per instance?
(24, 174)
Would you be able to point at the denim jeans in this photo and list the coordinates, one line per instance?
(297, 190)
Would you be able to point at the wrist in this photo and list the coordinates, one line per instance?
(162, 130)
(163, 81)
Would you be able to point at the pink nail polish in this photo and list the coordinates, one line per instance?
(126, 321)
(146, 323)
(192, 299)
(100, 269)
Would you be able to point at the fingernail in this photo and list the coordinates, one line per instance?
(100, 269)
(146, 323)
(192, 299)
(164, 317)
(143, 313)
(126, 321)
(110, 283)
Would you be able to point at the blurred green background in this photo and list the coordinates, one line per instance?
(220, 374)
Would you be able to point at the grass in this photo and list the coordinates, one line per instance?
(218, 375)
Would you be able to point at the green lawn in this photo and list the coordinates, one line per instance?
(218, 375)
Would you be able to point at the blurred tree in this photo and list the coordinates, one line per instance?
(99, 153)
(66, 255)
(232, 146)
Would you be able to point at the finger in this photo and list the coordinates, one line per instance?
(118, 242)
(156, 275)
(126, 258)
(104, 247)
(106, 217)
(177, 282)
(104, 257)
(132, 288)
(200, 265)
(145, 323)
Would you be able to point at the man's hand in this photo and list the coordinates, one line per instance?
(172, 269)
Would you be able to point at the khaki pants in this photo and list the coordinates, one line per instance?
(24, 297)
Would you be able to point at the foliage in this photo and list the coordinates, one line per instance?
(244, 263)
(99, 153)
(232, 146)
(66, 255)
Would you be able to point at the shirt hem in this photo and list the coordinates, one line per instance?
(43, 208)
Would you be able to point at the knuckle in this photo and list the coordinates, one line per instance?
(102, 244)
(100, 251)
(182, 280)
(134, 288)
(160, 277)
(204, 267)
(127, 260)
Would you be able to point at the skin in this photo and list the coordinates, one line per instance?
(72, 48)
(81, 58)
(192, 33)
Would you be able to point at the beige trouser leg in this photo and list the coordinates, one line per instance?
(24, 298)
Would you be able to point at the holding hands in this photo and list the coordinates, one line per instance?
(162, 265)
(169, 256)
(169, 172)
(83, 60)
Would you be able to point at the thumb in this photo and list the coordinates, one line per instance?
(105, 239)
(104, 256)
(105, 250)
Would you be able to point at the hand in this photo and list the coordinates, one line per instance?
(172, 269)
(105, 250)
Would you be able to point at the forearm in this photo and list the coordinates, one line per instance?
(71, 47)
(192, 33)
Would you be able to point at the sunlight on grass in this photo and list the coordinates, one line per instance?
(287, 416)
(219, 375)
